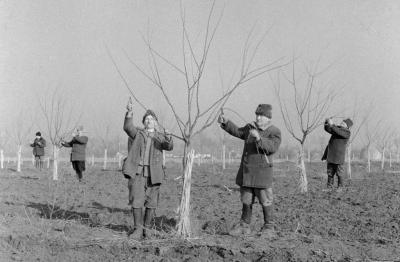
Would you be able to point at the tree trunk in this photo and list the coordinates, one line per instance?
(2, 158)
(105, 159)
(19, 159)
(93, 160)
(55, 162)
(33, 160)
(163, 158)
(390, 159)
(349, 160)
(48, 162)
(383, 159)
(303, 185)
(223, 156)
(183, 226)
(369, 160)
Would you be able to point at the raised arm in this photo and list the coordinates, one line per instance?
(129, 128)
(338, 131)
(66, 144)
(235, 131)
(80, 139)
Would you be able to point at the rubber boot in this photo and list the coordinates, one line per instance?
(243, 227)
(340, 180)
(137, 233)
(79, 175)
(268, 226)
(148, 218)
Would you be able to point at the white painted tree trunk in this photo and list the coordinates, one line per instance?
(390, 159)
(183, 226)
(48, 162)
(120, 160)
(223, 156)
(92, 160)
(303, 184)
(105, 159)
(383, 159)
(33, 160)
(19, 159)
(349, 160)
(55, 162)
(2, 158)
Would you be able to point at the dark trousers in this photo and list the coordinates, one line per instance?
(79, 167)
(332, 170)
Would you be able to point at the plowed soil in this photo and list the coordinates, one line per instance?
(46, 220)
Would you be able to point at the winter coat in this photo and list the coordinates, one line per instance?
(78, 144)
(38, 146)
(256, 166)
(336, 149)
(136, 150)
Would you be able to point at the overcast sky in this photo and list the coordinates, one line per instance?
(48, 45)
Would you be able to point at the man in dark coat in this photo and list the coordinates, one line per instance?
(255, 175)
(78, 151)
(336, 150)
(38, 149)
(144, 168)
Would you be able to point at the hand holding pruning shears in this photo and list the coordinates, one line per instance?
(129, 106)
(221, 118)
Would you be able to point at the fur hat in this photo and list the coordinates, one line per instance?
(38, 134)
(264, 110)
(348, 122)
(149, 112)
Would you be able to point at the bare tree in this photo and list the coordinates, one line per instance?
(384, 138)
(3, 143)
(197, 116)
(103, 132)
(306, 110)
(60, 122)
(21, 130)
(370, 137)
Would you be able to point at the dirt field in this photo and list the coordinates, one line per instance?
(46, 220)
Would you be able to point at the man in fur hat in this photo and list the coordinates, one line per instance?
(38, 149)
(255, 175)
(144, 168)
(335, 151)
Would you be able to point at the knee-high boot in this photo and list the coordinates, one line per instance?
(148, 218)
(243, 227)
